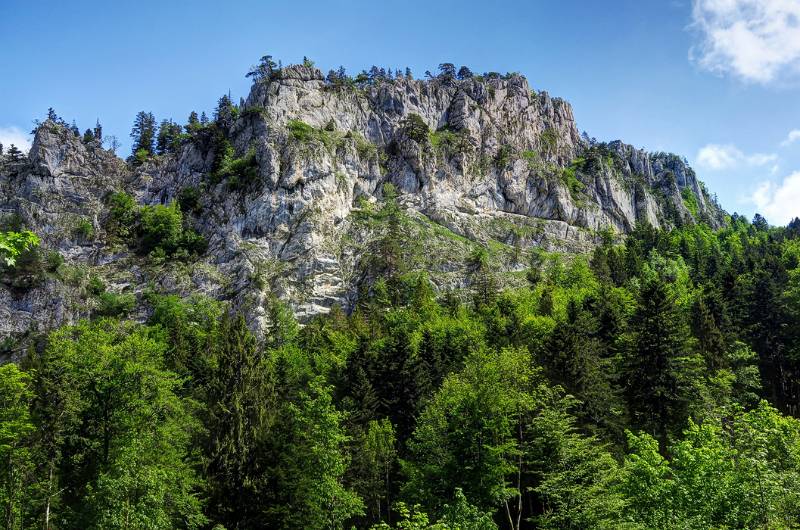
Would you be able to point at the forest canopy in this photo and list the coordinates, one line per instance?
(651, 384)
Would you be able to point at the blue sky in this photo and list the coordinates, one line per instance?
(715, 81)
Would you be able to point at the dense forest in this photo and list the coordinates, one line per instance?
(651, 384)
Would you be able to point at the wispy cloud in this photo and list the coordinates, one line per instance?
(779, 203)
(755, 40)
(15, 135)
(792, 137)
(717, 157)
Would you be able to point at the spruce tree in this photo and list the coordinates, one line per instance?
(143, 134)
(192, 123)
(656, 385)
(98, 131)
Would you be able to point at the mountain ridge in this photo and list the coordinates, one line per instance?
(281, 184)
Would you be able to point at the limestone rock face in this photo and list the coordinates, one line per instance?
(484, 161)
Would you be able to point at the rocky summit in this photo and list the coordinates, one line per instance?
(284, 193)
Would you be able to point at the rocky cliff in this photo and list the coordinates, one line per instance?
(286, 210)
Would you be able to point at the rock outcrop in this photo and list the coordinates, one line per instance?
(478, 161)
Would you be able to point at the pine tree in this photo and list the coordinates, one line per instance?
(168, 137)
(14, 154)
(98, 131)
(710, 341)
(224, 113)
(239, 416)
(193, 123)
(143, 134)
(88, 136)
(656, 391)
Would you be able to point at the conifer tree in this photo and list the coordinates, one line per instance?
(655, 377)
(143, 134)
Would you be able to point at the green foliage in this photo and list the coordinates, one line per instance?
(189, 200)
(306, 134)
(114, 304)
(742, 472)
(122, 213)
(14, 244)
(549, 141)
(115, 430)
(503, 157)
(690, 201)
(416, 128)
(448, 142)
(365, 149)
(84, 229)
(571, 182)
(15, 427)
(238, 173)
(316, 464)
(460, 514)
(619, 390)
(162, 232)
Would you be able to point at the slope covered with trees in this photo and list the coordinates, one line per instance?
(652, 384)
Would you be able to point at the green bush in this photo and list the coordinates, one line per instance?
(690, 201)
(305, 133)
(122, 215)
(84, 229)
(161, 226)
(141, 156)
(239, 173)
(162, 233)
(365, 149)
(416, 128)
(115, 305)
(571, 181)
(95, 286)
(503, 156)
(189, 199)
(53, 260)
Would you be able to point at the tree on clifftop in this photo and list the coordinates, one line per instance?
(143, 134)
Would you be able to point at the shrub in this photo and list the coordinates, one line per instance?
(690, 201)
(95, 286)
(305, 133)
(503, 156)
(161, 226)
(53, 260)
(239, 172)
(163, 235)
(115, 305)
(189, 199)
(84, 229)
(300, 130)
(15, 244)
(416, 128)
(141, 156)
(122, 215)
(365, 149)
(571, 181)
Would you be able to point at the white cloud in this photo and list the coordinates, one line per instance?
(792, 137)
(756, 40)
(716, 157)
(16, 136)
(779, 203)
